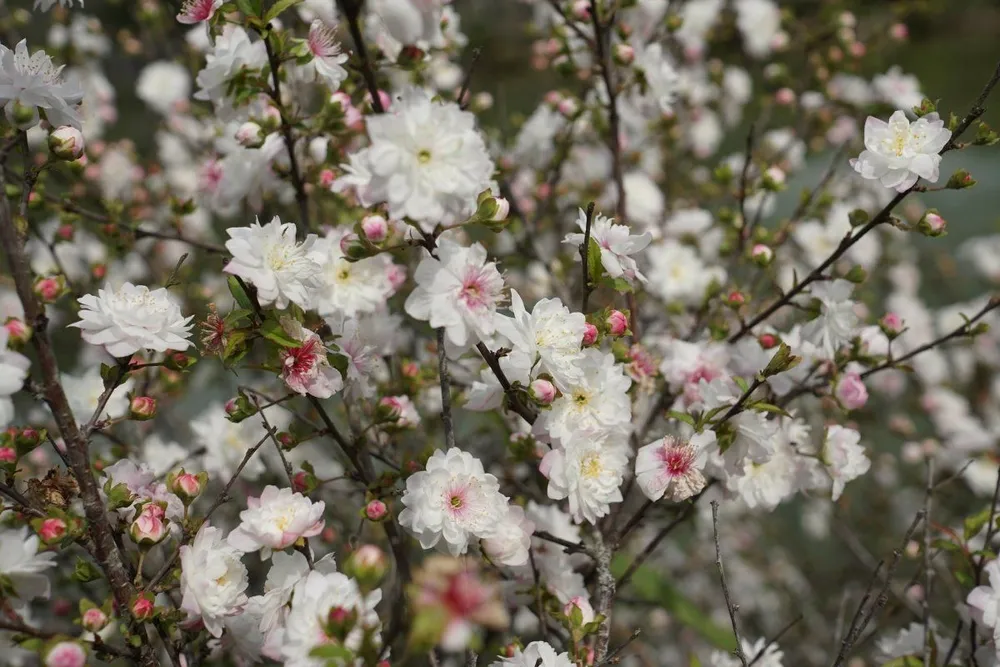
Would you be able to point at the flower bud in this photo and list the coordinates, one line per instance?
(375, 228)
(376, 510)
(286, 440)
(580, 607)
(492, 211)
(21, 116)
(51, 530)
(589, 335)
(142, 408)
(50, 288)
(543, 391)
(960, 180)
(187, 486)
(304, 482)
(735, 299)
(624, 54)
(143, 607)
(768, 341)
(66, 143)
(851, 391)
(899, 32)
(891, 325)
(150, 527)
(250, 135)
(18, 333)
(368, 565)
(66, 654)
(239, 408)
(774, 179)
(932, 224)
(327, 177)
(761, 254)
(8, 455)
(581, 10)
(617, 323)
(389, 409)
(785, 97)
(568, 107)
(94, 620)
(354, 248)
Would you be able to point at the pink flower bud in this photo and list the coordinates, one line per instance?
(410, 369)
(50, 288)
(761, 254)
(52, 530)
(376, 510)
(66, 143)
(568, 107)
(143, 607)
(785, 97)
(851, 391)
(94, 620)
(581, 603)
(617, 323)
(933, 224)
(187, 486)
(287, 440)
(8, 455)
(589, 335)
(899, 32)
(553, 98)
(581, 10)
(17, 331)
(736, 298)
(391, 408)
(383, 97)
(624, 54)
(368, 564)
(231, 406)
(768, 341)
(891, 324)
(858, 49)
(375, 228)
(326, 178)
(66, 654)
(250, 135)
(304, 482)
(543, 391)
(149, 527)
(65, 232)
(142, 408)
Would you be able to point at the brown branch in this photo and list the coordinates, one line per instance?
(351, 9)
(605, 595)
(588, 286)
(527, 412)
(445, 379)
(725, 587)
(77, 447)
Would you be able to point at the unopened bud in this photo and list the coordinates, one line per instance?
(735, 299)
(589, 335)
(304, 482)
(8, 455)
(761, 254)
(51, 530)
(142, 607)
(624, 54)
(617, 323)
(768, 341)
(66, 143)
(932, 224)
(21, 116)
(18, 333)
(368, 565)
(50, 288)
(543, 391)
(960, 180)
(492, 211)
(375, 228)
(250, 135)
(94, 620)
(187, 486)
(581, 10)
(142, 408)
(891, 325)
(579, 610)
(150, 527)
(376, 510)
(353, 247)
(851, 391)
(389, 409)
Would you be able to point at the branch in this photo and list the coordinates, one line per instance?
(11, 625)
(925, 598)
(445, 378)
(651, 547)
(527, 412)
(605, 595)
(467, 81)
(725, 587)
(588, 287)
(301, 198)
(351, 9)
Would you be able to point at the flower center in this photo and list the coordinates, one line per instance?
(300, 360)
(580, 398)
(277, 257)
(424, 156)
(591, 467)
(677, 460)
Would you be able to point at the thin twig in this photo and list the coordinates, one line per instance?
(774, 640)
(733, 609)
(351, 9)
(925, 598)
(612, 657)
(588, 287)
(467, 80)
(539, 604)
(527, 412)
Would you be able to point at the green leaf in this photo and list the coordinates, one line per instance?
(332, 652)
(278, 7)
(905, 661)
(681, 417)
(236, 317)
(249, 7)
(975, 523)
(238, 294)
(84, 571)
(741, 383)
(945, 545)
(272, 330)
(651, 586)
(768, 407)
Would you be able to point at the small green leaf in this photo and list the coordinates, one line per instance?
(768, 407)
(975, 523)
(249, 7)
(332, 652)
(741, 383)
(278, 7)
(595, 268)
(681, 417)
(945, 545)
(84, 571)
(272, 330)
(239, 294)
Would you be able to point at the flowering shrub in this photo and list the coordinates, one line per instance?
(326, 371)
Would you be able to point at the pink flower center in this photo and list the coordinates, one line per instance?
(198, 10)
(457, 500)
(211, 176)
(677, 459)
(321, 41)
(298, 361)
(475, 293)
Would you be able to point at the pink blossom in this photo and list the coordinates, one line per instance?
(851, 391)
(376, 510)
(143, 607)
(617, 323)
(7, 455)
(149, 527)
(306, 369)
(52, 530)
(671, 467)
(66, 654)
(589, 335)
(94, 619)
(196, 11)
(543, 391)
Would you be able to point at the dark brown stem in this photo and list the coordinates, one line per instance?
(351, 9)
(588, 286)
(527, 412)
(301, 198)
(77, 447)
(445, 379)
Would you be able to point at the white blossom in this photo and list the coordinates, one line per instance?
(844, 457)
(535, 654)
(837, 322)
(23, 566)
(595, 401)
(13, 372)
(588, 474)
(213, 580)
(268, 256)
(276, 519)
(615, 243)
(133, 318)
(672, 467)
(350, 288)
(550, 334)
(232, 52)
(33, 81)
(899, 152)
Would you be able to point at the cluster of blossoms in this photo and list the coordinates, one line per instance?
(258, 365)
